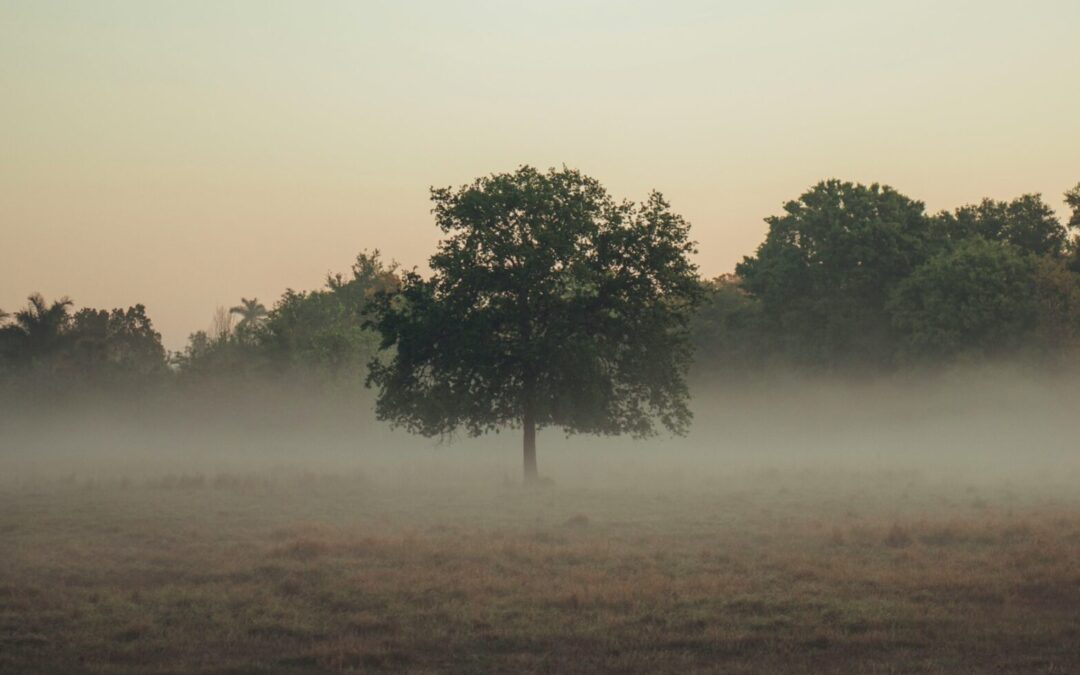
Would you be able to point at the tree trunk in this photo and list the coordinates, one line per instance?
(529, 425)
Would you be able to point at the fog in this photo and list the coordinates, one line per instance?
(805, 524)
(1005, 423)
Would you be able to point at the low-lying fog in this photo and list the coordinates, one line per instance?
(1002, 424)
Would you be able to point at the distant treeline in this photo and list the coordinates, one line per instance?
(309, 338)
(857, 276)
(850, 276)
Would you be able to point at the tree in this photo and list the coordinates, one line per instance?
(1072, 198)
(978, 298)
(120, 343)
(221, 324)
(549, 304)
(252, 314)
(37, 333)
(726, 329)
(324, 328)
(6, 336)
(827, 266)
(1057, 290)
(1026, 222)
(315, 335)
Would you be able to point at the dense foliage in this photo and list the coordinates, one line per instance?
(58, 349)
(828, 265)
(977, 297)
(549, 295)
(311, 337)
(855, 276)
(549, 304)
(315, 336)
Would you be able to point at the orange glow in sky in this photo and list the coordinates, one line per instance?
(186, 154)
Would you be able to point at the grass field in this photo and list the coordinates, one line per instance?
(870, 572)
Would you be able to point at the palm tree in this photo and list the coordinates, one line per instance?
(252, 314)
(39, 328)
(6, 335)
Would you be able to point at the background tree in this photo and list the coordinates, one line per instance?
(5, 337)
(219, 353)
(1057, 292)
(1072, 199)
(252, 315)
(221, 324)
(827, 267)
(978, 298)
(324, 329)
(117, 346)
(1026, 222)
(727, 331)
(316, 337)
(549, 304)
(36, 336)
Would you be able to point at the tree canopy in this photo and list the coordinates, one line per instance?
(549, 304)
(118, 343)
(252, 314)
(36, 337)
(1072, 199)
(828, 264)
(46, 341)
(317, 335)
(978, 297)
(1026, 222)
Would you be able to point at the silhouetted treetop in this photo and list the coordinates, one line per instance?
(1072, 199)
(827, 265)
(1026, 222)
(252, 314)
(549, 304)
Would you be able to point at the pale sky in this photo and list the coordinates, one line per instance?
(185, 154)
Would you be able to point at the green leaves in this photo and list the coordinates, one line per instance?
(1072, 199)
(979, 297)
(546, 295)
(324, 329)
(47, 343)
(826, 268)
(317, 337)
(1026, 222)
(855, 275)
(38, 334)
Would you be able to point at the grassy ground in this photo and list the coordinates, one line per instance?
(766, 572)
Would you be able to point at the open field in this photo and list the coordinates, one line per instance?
(765, 571)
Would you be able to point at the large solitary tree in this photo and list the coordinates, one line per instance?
(549, 304)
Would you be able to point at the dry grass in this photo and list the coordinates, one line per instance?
(249, 574)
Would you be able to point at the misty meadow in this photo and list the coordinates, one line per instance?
(560, 448)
